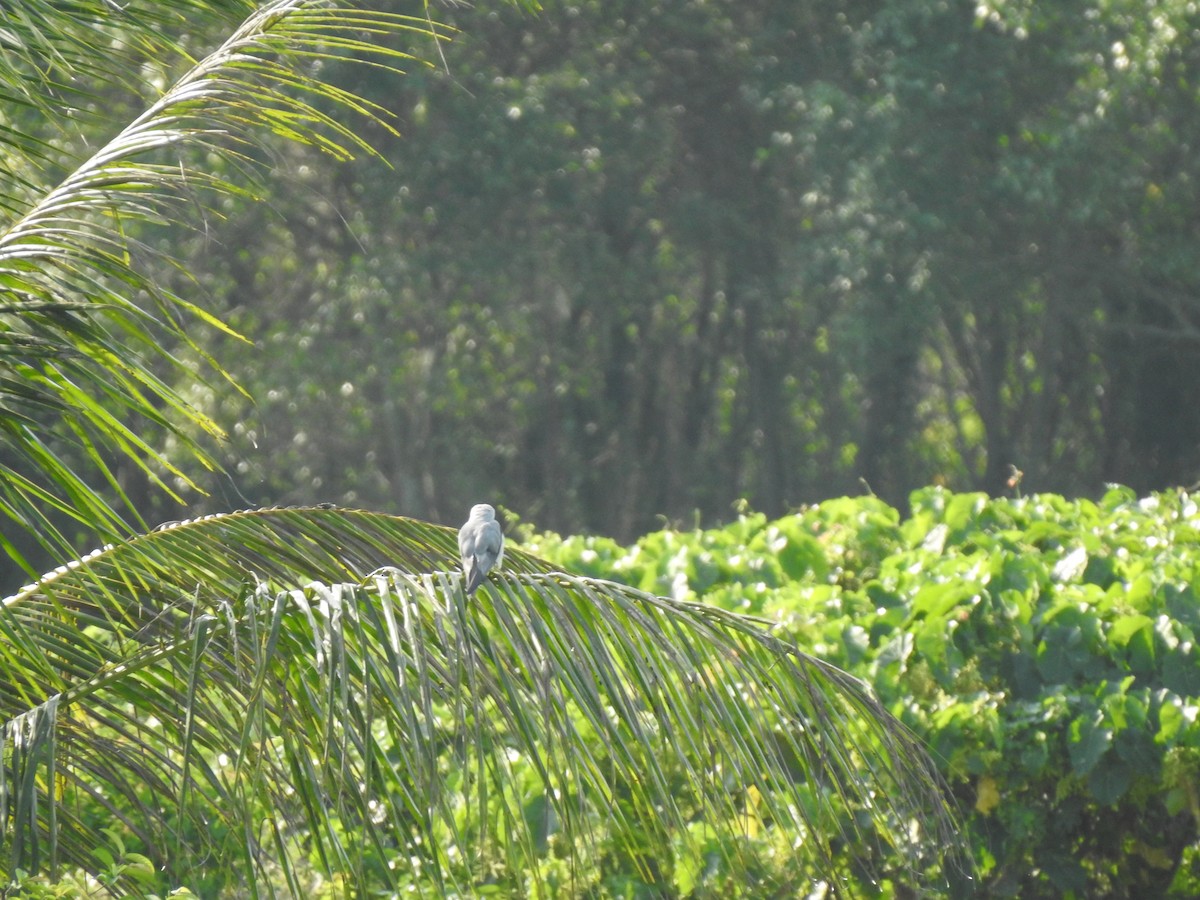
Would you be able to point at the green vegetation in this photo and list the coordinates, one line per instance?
(628, 260)
(1044, 649)
(252, 689)
(248, 703)
(113, 130)
(574, 738)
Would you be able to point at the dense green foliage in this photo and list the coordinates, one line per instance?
(627, 260)
(253, 689)
(1044, 649)
(640, 259)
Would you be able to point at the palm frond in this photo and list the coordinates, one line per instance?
(263, 667)
(83, 332)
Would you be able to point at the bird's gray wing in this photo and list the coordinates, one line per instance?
(466, 550)
(482, 550)
(490, 547)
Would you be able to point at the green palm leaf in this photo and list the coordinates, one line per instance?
(85, 336)
(255, 686)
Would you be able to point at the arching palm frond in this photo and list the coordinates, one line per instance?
(84, 334)
(253, 686)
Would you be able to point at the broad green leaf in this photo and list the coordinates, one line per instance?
(799, 554)
(1135, 636)
(1181, 671)
(1089, 741)
(935, 599)
(1109, 780)
(1124, 628)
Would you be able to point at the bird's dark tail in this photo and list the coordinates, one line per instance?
(474, 576)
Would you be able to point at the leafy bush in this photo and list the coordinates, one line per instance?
(1045, 649)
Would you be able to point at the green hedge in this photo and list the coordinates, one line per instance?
(1044, 648)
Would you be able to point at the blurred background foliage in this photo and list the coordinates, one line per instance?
(638, 259)
(631, 260)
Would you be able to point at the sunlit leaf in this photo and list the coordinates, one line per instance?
(85, 334)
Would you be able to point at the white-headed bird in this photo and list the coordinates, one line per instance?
(481, 543)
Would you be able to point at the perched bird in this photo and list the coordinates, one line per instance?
(481, 543)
